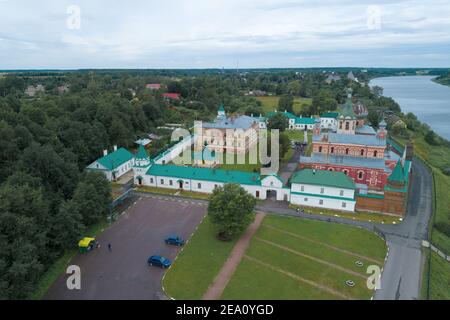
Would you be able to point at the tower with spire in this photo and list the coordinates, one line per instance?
(221, 112)
(142, 163)
(347, 119)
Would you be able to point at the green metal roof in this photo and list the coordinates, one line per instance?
(347, 110)
(322, 196)
(305, 120)
(221, 108)
(207, 174)
(323, 178)
(285, 113)
(397, 175)
(115, 159)
(333, 115)
(141, 154)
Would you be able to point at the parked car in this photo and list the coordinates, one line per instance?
(159, 261)
(174, 240)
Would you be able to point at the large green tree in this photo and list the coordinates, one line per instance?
(278, 121)
(231, 209)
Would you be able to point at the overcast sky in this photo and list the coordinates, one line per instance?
(42, 34)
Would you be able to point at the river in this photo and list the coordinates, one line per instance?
(428, 100)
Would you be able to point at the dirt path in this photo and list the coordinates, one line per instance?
(296, 277)
(215, 290)
(325, 245)
(329, 264)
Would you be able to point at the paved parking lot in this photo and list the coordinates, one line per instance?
(123, 273)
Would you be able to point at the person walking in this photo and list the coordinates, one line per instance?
(109, 247)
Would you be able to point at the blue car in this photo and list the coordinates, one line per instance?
(174, 240)
(159, 261)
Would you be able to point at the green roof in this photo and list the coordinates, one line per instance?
(397, 175)
(115, 159)
(404, 187)
(323, 178)
(333, 115)
(322, 196)
(221, 108)
(207, 174)
(141, 154)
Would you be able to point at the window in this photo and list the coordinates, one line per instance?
(344, 204)
(199, 185)
(362, 152)
(346, 151)
(170, 182)
(151, 180)
(341, 193)
(321, 202)
(330, 169)
(347, 125)
(332, 150)
(302, 188)
(306, 199)
(322, 190)
(320, 149)
(375, 153)
(340, 125)
(257, 194)
(162, 181)
(345, 171)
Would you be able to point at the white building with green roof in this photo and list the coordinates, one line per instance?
(115, 164)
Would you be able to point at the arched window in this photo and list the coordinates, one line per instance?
(362, 152)
(332, 150)
(360, 175)
(347, 125)
(345, 171)
(346, 151)
(320, 149)
(330, 169)
(375, 153)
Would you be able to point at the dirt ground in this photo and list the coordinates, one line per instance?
(123, 273)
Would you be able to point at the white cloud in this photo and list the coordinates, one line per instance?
(178, 33)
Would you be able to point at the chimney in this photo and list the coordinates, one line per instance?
(105, 152)
(115, 147)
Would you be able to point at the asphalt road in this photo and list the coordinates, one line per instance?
(123, 273)
(400, 279)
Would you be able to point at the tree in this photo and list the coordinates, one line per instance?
(431, 138)
(373, 118)
(67, 225)
(278, 121)
(92, 197)
(231, 210)
(286, 103)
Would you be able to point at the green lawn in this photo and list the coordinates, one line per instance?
(359, 215)
(271, 103)
(174, 192)
(439, 278)
(198, 264)
(253, 280)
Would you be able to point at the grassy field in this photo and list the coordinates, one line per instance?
(439, 278)
(198, 264)
(291, 258)
(359, 215)
(271, 103)
(174, 192)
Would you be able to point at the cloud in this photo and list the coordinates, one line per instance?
(195, 33)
